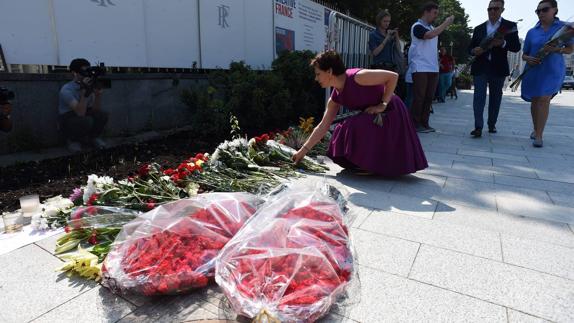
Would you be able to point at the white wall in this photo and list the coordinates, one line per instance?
(172, 33)
(222, 43)
(26, 32)
(259, 34)
(153, 33)
(111, 34)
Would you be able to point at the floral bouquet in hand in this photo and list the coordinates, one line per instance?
(488, 42)
(172, 249)
(291, 261)
(561, 37)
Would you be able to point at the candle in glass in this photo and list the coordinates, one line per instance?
(30, 204)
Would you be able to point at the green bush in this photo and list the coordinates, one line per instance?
(262, 101)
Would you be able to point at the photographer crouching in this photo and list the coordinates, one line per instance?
(81, 118)
(5, 109)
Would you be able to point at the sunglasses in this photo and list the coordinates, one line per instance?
(494, 8)
(545, 10)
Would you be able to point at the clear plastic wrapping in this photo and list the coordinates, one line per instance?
(172, 249)
(291, 261)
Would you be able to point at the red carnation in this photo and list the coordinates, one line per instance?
(144, 170)
(93, 199)
(93, 239)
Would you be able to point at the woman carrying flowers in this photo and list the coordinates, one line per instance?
(545, 63)
(382, 139)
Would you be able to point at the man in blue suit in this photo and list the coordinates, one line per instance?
(491, 65)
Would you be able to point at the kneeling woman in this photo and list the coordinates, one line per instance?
(390, 150)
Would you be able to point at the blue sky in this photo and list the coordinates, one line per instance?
(515, 10)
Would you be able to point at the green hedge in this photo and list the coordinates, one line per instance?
(262, 101)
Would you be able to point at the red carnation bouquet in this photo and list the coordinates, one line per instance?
(171, 249)
(290, 262)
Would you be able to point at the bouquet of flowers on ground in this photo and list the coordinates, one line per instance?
(55, 212)
(97, 226)
(172, 249)
(561, 37)
(291, 261)
(487, 42)
(230, 169)
(269, 152)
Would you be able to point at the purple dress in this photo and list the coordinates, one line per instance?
(391, 150)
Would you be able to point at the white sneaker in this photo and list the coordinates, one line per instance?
(100, 143)
(74, 147)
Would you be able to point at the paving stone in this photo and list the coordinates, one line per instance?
(530, 203)
(445, 235)
(171, 309)
(563, 199)
(469, 173)
(475, 153)
(512, 163)
(384, 253)
(537, 184)
(517, 226)
(31, 286)
(502, 170)
(365, 184)
(544, 257)
(414, 206)
(519, 317)
(431, 156)
(389, 298)
(96, 305)
(357, 214)
(468, 192)
(556, 174)
(49, 244)
(528, 291)
(442, 148)
(420, 185)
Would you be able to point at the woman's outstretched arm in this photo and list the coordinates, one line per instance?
(319, 131)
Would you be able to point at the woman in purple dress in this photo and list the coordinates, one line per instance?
(391, 149)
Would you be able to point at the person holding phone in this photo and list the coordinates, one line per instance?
(385, 46)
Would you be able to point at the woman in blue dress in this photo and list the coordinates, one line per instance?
(545, 77)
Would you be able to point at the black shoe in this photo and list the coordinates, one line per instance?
(476, 133)
(430, 129)
(492, 130)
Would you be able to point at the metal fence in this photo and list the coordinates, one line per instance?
(350, 38)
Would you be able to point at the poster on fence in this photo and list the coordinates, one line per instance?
(300, 25)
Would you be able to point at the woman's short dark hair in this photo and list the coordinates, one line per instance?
(381, 15)
(329, 60)
(428, 6)
(552, 3)
(77, 64)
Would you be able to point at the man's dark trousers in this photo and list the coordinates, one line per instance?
(495, 84)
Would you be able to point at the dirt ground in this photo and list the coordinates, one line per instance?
(61, 175)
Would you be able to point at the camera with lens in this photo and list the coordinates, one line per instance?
(6, 95)
(95, 80)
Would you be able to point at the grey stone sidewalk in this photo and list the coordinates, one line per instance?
(485, 234)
